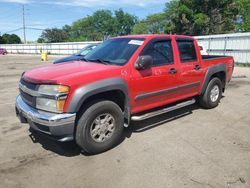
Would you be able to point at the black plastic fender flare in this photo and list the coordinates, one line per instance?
(86, 91)
(211, 71)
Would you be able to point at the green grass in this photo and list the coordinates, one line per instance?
(242, 64)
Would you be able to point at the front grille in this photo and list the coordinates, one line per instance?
(30, 100)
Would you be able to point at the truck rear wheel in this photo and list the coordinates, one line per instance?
(100, 127)
(212, 95)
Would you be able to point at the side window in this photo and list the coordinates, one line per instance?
(187, 51)
(160, 51)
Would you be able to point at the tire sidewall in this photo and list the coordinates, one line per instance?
(83, 136)
(212, 83)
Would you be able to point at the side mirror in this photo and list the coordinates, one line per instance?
(144, 62)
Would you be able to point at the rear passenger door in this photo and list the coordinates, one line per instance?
(190, 67)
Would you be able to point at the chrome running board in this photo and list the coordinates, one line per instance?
(163, 111)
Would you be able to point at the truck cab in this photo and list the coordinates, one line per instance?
(128, 78)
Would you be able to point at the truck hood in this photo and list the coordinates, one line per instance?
(69, 58)
(58, 73)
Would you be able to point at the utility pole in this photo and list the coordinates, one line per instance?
(24, 28)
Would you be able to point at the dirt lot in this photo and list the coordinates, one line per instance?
(190, 147)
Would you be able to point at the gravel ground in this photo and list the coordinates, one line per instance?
(190, 147)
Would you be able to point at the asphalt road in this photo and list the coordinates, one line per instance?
(191, 147)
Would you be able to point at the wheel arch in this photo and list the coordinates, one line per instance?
(114, 89)
(215, 71)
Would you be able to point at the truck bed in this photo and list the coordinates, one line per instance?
(210, 57)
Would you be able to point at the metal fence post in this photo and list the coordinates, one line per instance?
(209, 45)
(225, 45)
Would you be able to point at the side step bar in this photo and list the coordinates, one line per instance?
(163, 111)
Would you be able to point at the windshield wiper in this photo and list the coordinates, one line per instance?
(84, 59)
(105, 62)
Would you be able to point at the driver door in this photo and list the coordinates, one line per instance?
(156, 85)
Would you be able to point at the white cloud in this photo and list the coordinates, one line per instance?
(16, 1)
(96, 3)
(90, 3)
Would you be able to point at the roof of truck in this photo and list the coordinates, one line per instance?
(147, 36)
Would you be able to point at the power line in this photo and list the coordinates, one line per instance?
(21, 28)
(33, 28)
(12, 31)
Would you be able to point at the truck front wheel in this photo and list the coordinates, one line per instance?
(212, 95)
(100, 127)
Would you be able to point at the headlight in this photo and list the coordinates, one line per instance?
(53, 89)
(53, 98)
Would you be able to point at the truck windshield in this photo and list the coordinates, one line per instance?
(115, 51)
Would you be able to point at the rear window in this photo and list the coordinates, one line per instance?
(186, 50)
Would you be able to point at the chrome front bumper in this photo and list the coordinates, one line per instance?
(58, 125)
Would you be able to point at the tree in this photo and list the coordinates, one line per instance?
(11, 39)
(124, 22)
(171, 14)
(95, 27)
(140, 28)
(100, 25)
(54, 35)
(244, 15)
(40, 40)
(83, 29)
(2, 41)
(196, 17)
(66, 28)
(103, 23)
(154, 23)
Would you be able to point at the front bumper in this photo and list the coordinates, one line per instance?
(59, 126)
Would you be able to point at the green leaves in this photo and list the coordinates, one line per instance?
(244, 16)
(200, 23)
(190, 17)
(153, 24)
(124, 22)
(53, 35)
(201, 17)
(10, 39)
(100, 25)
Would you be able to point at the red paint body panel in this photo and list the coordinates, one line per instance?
(78, 74)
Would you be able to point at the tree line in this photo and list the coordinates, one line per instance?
(10, 39)
(189, 17)
(98, 26)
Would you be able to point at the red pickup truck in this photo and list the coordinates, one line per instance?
(126, 78)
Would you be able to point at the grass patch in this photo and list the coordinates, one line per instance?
(242, 64)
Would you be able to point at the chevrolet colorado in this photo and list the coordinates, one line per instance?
(126, 78)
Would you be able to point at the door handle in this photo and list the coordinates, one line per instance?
(172, 71)
(197, 67)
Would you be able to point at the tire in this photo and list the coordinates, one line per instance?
(90, 130)
(211, 97)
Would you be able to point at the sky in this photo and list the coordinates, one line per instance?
(47, 14)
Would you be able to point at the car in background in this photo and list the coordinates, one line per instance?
(79, 55)
(3, 51)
